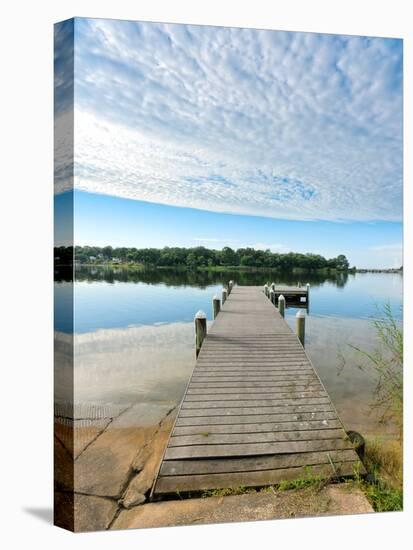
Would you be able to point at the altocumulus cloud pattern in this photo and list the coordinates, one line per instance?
(279, 124)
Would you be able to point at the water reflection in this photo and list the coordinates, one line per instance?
(134, 339)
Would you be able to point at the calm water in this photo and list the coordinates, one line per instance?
(134, 337)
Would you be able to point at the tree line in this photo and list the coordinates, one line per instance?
(197, 257)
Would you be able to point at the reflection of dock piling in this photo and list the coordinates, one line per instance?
(255, 412)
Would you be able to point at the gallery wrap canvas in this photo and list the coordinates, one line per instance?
(227, 273)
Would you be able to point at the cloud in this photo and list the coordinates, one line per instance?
(390, 255)
(278, 124)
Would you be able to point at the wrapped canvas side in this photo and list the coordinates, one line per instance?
(63, 275)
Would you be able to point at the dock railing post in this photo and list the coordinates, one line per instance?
(266, 290)
(272, 296)
(300, 326)
(308, 297)
(200, 330)
(281, 305)
(273, 286)
(230, 285)
(224, 295)
(216, 306)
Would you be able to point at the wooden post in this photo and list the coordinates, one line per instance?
(200, 330)
(281, 305)
(300, 325)
(216, 306)
(272, 296)
(230, 285)
(308, 297)
(224, 295)
(266, 290)
(273, 286)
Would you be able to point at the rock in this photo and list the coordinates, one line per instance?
(132, 500)
(358, 442)
(142, 458)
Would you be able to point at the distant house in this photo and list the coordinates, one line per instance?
(116, 260)
(92, 258)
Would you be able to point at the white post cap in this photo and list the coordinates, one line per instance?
(200, 315)
(300, 313)
(281, 297)
(215, 298)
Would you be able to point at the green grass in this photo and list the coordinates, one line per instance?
(383, 486)
(309, 480)
(383, 498)
(225, 492)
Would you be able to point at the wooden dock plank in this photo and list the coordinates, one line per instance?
(259, 427)
(255, 412)
(245, 449)
(172, 484)
(250, 464)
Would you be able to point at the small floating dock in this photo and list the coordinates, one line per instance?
(255, 412)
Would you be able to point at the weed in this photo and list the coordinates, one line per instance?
(227, 491)
(386, 362)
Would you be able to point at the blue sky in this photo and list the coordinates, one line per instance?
(189, 135)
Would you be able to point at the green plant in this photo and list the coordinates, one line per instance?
(384, 498)
(306, 481)
(227, 491)
(386, 361)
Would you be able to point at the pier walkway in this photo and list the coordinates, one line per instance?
(255, 412)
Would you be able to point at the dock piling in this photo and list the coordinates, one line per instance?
(281, 305)
(216, 306)
(300, 326)
(224, 295)
(230, 285)
(272, 296)
(266, 292)
(200, 330)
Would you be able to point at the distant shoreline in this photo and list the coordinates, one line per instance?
(219, 268)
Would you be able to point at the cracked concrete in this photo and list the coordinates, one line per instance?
(331, 500)
(113, 467)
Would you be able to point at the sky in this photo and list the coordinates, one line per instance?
(195, 135)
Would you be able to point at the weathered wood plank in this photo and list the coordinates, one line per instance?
(251, 418)
(254, 396)
(223, 411)
(262, 427)
(261, 391)
(250, 464)
(282, 385)
(207, 438)
(259, 403)
(245, 449)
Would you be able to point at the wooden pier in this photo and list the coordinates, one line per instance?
(255, 412)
